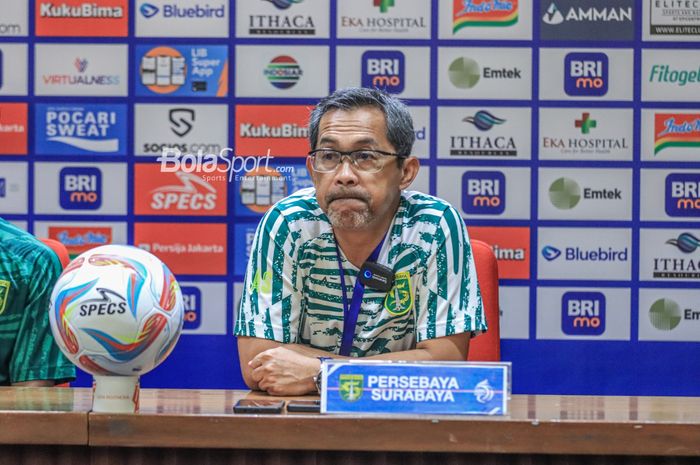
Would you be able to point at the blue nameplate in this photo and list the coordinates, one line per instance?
(443, 388)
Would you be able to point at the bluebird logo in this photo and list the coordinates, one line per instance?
(550, 253)
(384, 69)
(586, 74)
(148, 10)
(80, 188)
(583, 313)
(484, 192)
(683, 194)
(192, 298)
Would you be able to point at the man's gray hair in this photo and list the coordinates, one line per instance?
(399, 124)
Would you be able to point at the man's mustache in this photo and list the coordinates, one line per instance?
(347, 194)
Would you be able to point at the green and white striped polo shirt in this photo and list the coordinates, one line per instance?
(293, 292)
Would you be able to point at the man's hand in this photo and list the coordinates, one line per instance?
(284, 372)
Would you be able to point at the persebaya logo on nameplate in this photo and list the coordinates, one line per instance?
(449, 388)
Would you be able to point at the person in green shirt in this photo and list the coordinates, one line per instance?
(29, 355)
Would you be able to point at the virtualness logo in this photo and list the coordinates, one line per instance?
(665, 314)
(148, 10)
(564, 193)
(283, 72)
(685, 242)
(464, 73)
(550, 253)
(80, 64)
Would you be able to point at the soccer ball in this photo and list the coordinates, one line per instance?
(116, 310)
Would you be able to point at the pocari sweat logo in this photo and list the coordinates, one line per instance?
(683, 194)
(80, 188)
(583, 313)
(586, 74)
(80, 129)
(484, 192)
(384, 69)
(192, 298)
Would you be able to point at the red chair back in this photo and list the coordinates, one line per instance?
(59, 249)
(487, 347)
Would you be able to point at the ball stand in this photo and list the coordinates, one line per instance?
(115, 394)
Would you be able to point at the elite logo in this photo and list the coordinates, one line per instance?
(80, 188)
(564, 193)
(384, 69)
(586, 74)
(181, 121)
(283, 72)
(484, 192)
(683, 194)
(192, 298)
(583, 313)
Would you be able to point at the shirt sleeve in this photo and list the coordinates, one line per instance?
(36, 355)
(449, 295)
(271, 303)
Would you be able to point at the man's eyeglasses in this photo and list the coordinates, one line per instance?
(369, 161)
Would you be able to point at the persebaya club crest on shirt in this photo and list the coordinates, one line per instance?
(399, 300)
(350, 387)
(4, 292)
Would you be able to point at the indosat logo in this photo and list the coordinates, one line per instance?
(384, 69)
(465, 73)
(283, 72)
(579, 254)
(80, 188)
(586, 74)
(583, 313)
(489, 13)
(664, 74)
(676, 130)
(484, 192)
(675, 267)
(148, 10)
(565, 193)
(483, 145)
(683, 194)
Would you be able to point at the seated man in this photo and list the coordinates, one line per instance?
(28, 271)
(303, 299)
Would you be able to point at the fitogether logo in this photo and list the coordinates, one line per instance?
(489, 13)
(586, 74)
(283, 72)
(665, 314)
(484, 192)
(464, 73)
(683, 194)
(80, 188)
(564, 193)
(676, 130)
(664, 74)
(583, 313)
(384, 69)
(685, 242)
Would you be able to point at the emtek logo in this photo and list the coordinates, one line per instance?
(586, 74)
(583, 313)
(683, 194)
(192, 298)
(80, 188)
(484, 192)
(383, 69)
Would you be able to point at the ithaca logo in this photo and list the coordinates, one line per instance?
(485, 145)
(181, 121)
(583, 313)
(578, 254)
(300, 25)
(683, 194)
(676, 130)
(284, 4)
(553, 16)
(283, 72)
(488, 13)
(185, 196)
(465, 73)
(192, 298)
(586, 74)
(679, 267)
(85, 10)
(384, 69)
(109, 303)
(484, 192)
(80, 188)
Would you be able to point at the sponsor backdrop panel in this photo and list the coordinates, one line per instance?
(175, 125)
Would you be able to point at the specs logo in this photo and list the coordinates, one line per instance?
(384, 69)
(181, 121)
(583, 313)
(192, 298)
(80, 188)
(586, 74)
(683, 194)
(550, 253)
(148, 10)
(283, 72)
(484, 192)
(193, 193)
(686, 242)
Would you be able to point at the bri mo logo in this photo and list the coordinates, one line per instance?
(192, 298)
(586, 74)
(583, 313)
(384, 69)
(484, 192)
(683, 194)
(80, 188)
